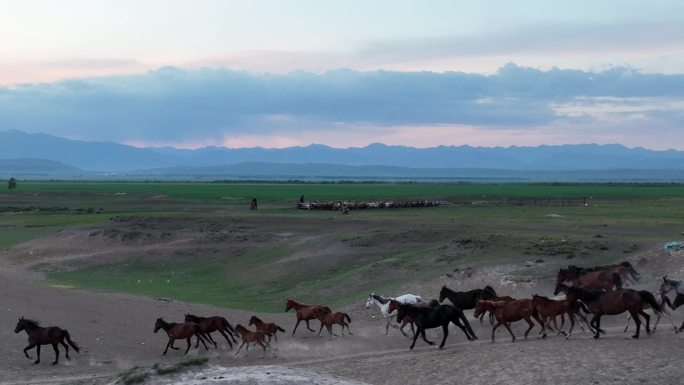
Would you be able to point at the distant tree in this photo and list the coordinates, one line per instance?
(12, 184)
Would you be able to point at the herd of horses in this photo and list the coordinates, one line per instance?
(594, 292)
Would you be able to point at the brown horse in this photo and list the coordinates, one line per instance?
(549, 309)
(38, 336)
(248, 336)
(209, 325)
(625, 269)
(613, 302)
(269, 328)
(503, 298)
(304, 312)
(394, 305)
(329, 319)
(590, 279)
(178, 332)
(507, 312)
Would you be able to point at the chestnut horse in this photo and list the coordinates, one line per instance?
(507, 312)
(209, 325)
(269, 328)
(248, 336)
(38, 336)
(549, 309)
(329, 319)
(304, 312)
(613, 302)
(178, 332)
(591, 279)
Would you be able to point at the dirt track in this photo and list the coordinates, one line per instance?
(115, 332)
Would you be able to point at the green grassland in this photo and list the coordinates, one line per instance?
(376, 250)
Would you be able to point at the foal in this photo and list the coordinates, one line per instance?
(178, 332)
(269, 328)
(329, 319)
(507, 312)
(38, 335)
(549, 309)
(248, 336)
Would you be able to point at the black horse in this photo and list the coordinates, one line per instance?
(428, 317)
(466, 300)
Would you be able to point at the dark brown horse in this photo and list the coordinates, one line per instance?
(625, 269)
(305, 312)
(613, 302)
(180, 331)
(507, 312)
(329, 319)
(549, 309)
(603, 279)
(38, 336)
(209, 325)
(269, 328)
(248, 336)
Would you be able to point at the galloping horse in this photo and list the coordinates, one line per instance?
(548, 309)
(613, 302)
(38, 336)
(180, 331)
(329, 319)
(384, 304)
(507, 312)
(304, 312)
(591, 279)
(662, 301)
(269, 328)
(209, 325)
(669, 285)
(625, 269)
(248, 336)
(432, 316)
(466, 300)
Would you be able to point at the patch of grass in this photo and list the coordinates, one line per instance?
(134, 375)
(180, 365)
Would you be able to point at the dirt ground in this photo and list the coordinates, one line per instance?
(115, 332)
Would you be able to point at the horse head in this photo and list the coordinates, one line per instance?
(158, 324)
(480, 307)
(563, 275)
(402, 310)
(443, 293)
(289, 305)
(369, 301)
(20, 325)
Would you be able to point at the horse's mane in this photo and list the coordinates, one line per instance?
(444, 288)
(192, 316)
(490, 289)
(239, 328)
(256, 319)
(542, 297)
(380, 298)
(31, 322)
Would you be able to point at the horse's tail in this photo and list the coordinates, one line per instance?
(650, 299)
(281, 329)
(635, 275)
(227, 326)
(71, 343)
(617, 281)
(345, 315)
(490, 292)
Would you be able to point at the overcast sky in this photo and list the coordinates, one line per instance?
(345, 73)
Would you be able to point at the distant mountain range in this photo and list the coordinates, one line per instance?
(26, 153)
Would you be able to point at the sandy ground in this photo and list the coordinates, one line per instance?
(115, 332)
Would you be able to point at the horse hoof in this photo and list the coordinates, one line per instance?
(54, 363)
(36, 362)
(544, 336)
(596, 337)
(635, 336)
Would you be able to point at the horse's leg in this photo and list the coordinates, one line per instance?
(637, 321)
(415, 337)
(189, 344)
(530, 323)
(38, 353)
(629, 318)
(320, 330)
(223, 333)
(66, 348)
(445, 330)
(199, 338)
(648, 321)
(681, 328)
(596, 322)
(422, 333)
(297, 324)
(240, 348)
(562, 315)
(508, 326)
(54, 346)
(571, 317)
(168, 344)
(212, 340)
(348, 330)
(498, 323)
(308, 327)
(31, 346)
(655, 325)
(541, 323)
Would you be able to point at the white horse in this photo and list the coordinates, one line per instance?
(383, 304)
(661, 300)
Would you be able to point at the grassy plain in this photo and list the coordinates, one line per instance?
(199, 242)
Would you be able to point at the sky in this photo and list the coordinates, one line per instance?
(345, 73)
